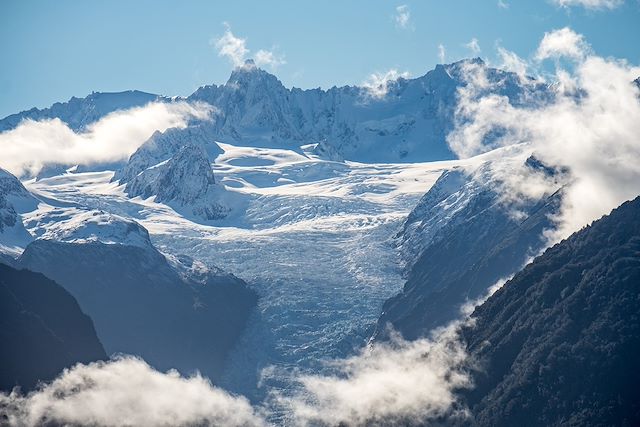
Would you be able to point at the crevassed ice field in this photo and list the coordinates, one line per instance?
(314, 238)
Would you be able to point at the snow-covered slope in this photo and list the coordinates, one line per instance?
(164, 145)
(315, 184)
(463, 194)
(92, 226)
(80, 112)
(185, 182)
(313, 237)
(465, 235)
(408, 123)
(142, 303)
(14, 200)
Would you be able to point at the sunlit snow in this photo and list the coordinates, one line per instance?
(313, 237)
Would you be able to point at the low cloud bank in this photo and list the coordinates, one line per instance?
(127, 392)
(396, 383)
(590, 128)
(31, 146)
(404, 383)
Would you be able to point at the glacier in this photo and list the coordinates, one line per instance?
(313, 237)
(300, 193)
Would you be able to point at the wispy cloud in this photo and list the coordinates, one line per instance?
(235, 49)
(442, 53)
(127, 392)
(395, 383)
(377, 85)
(403, 17)
(231, 47)
(269, 58)
(473, 46)
(34, 144)
(589, 4)
(510, 61)
(502, 4)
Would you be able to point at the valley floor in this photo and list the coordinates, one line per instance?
(313, 237)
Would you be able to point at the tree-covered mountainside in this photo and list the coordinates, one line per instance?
(559, 343)
(42, 330)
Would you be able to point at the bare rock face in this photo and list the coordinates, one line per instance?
(184, 181)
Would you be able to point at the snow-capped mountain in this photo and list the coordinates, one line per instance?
(408, 123)
(184, 181)
(463, 237)
(94, 226)
(163, 145)
(141, 302)
(15, 199)
(309, 227)
(80, 112)
(175, 167)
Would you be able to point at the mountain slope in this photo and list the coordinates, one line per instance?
(14, 200)
(42, 330)
(459, 240)
(80, 112)
(174, 313)
(558, 343)
(407, 123)
(184, 181)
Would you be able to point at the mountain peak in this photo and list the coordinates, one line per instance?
(250, 72)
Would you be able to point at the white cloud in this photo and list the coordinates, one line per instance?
(232, 47)
(403, 16)
(235, 50)
(34, 144)
(127, 392)
(510, 61)
(441, 53)
(377, 85)
(473, 46)
(590, 128)
(589, 4)
(390, 383)
(562, 43)
(268, 58)
(396, 383)
(502, 4)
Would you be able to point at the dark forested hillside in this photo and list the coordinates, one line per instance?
(42, 330)
(559, 343)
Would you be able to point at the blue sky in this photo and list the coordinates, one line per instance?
(54, 50)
